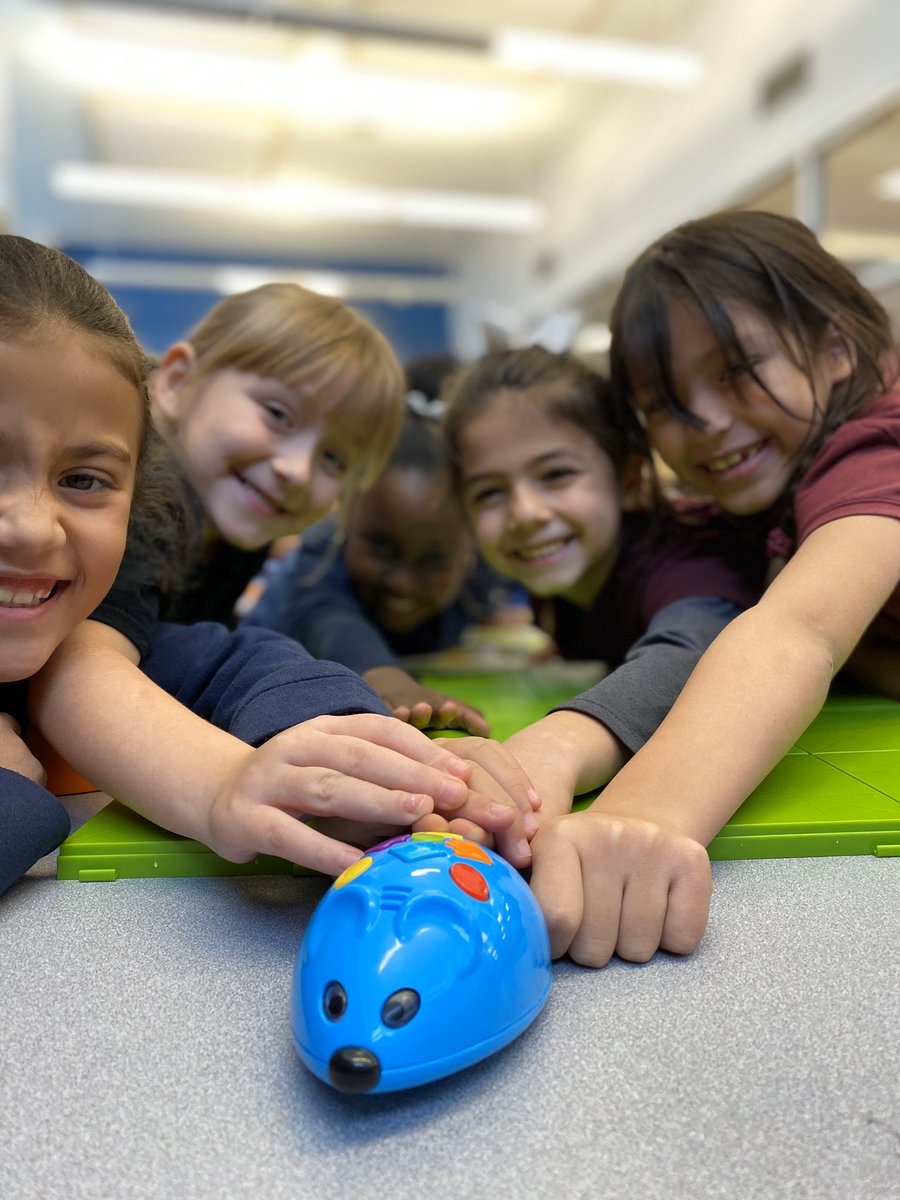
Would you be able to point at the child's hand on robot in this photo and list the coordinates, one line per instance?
(497, 777)
(364, 768)
(609, 883)
(15, 755)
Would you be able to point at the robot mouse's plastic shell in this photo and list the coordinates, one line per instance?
(425, 956)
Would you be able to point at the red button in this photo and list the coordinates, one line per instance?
(472, 882)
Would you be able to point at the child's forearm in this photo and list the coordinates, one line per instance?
(752, 694)
(566, 754)
(129, 737)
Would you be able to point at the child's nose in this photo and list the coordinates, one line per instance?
(711, 409)
(527, 506)
(293, 464)
(402, 578)
(30, 523)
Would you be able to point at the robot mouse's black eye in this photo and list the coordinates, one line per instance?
(334, 1001)
(400, 1008)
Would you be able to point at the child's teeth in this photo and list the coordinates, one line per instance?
(542, 551)
(21, 599)
(730, 460)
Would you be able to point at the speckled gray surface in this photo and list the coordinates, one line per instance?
(146, 1054)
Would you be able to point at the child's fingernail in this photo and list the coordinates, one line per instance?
(459, 766)
(418, 804)
(453, 792)
(534, 798)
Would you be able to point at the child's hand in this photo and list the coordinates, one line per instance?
(368, 769)
(15, 755)
(619, 884)
(498, 777)
(421, 706)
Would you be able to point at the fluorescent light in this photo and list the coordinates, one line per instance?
(153, 189)
(887, 185)
(597, 58)
(313, 88)
(228, 280)
(294, 200)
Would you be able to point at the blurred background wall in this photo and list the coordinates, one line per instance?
(461, 171)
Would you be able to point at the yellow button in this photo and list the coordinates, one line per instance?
(435, 837)
(353, 871)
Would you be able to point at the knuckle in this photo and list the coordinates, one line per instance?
(681, 941)
(637, 952)
(270, 834)
(324, 789)
(591, 953)
(560, 924)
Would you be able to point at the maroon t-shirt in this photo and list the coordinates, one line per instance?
(660, 561)
(855, 473)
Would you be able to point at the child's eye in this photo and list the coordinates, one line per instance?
(81, 481)
(279, 415)
(434, 562)
(336, 462)
(482, 496)
(382, 549)
(558, 474)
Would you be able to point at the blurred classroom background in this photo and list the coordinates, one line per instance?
(464, 172)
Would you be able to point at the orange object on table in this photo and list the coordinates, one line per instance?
(62, 780)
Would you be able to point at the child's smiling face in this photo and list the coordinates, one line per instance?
(748, 445)
(70, 431)
(543, 498)
(266, 459)
(407, 548)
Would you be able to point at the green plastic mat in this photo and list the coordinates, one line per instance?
(837, 791)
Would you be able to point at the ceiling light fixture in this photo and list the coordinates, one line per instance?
(600, 59)
(294, 199)
(887, 185)
(530, 50)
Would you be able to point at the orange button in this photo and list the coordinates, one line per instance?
(471, 850)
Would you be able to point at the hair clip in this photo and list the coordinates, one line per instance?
(425, 406)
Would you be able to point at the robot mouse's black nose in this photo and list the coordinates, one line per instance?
(353, 1069)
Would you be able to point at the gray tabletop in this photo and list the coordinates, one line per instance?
(146, 1053)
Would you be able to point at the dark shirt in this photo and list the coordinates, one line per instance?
(310, 596)
(672, 591)
(32, 821)
(661, 561)
(215, 576)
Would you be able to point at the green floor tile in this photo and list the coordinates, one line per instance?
(856, 725)
(878, 768)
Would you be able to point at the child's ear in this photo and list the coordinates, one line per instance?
(632, 483)
(166, 385)
(839, 355)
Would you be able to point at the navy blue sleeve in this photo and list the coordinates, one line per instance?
(252, 682)
(134, 612)
(633, 700)
(308, 597)
(32, 823)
